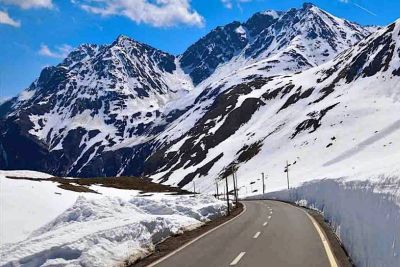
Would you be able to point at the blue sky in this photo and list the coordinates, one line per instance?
(38, 33)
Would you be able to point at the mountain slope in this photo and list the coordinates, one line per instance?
(99, 98)
(125, 108)
(336, 118)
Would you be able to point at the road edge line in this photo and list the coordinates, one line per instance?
(327, 246)
(196, 239)
(325, 242)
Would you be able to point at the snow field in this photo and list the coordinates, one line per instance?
(44, 225)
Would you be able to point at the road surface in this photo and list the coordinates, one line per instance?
(268, 233)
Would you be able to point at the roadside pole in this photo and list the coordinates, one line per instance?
(287, 174)
(234, 187)
(227, 195)
(263, 182)
(216, 184)
(194, 188)
(237, 186)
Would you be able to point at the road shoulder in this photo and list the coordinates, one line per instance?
(340, 253)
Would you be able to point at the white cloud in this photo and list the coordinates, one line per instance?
(158, 13)
(229, 3)
(5, 19)
(26, 4)
(4, 99)
(59, 52)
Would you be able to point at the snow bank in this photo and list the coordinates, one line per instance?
(364, 213)
(27, 205)
(91, 229)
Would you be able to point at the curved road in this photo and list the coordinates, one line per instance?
(268, 233)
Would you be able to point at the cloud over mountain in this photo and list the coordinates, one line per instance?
(59, 52)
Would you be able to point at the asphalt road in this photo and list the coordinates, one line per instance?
(268, 233)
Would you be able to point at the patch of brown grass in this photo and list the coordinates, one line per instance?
(145, 185)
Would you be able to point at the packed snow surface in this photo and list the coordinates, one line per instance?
(43, 225)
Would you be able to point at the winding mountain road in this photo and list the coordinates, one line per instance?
(267, 233)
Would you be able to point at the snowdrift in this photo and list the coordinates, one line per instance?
(97, 229)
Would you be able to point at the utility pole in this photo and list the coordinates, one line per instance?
(287, 174)
(224, 192)
(263, 182)
(234, 186)
(216, 184)
(227, 195)
(194, 188)
(237, 187)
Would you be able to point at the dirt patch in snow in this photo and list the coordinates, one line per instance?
(145, 185)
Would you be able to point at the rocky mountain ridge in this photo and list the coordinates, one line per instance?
(130, 109)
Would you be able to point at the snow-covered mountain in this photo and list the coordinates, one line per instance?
(334, 118)
(99, 99)
(235, 97)
(278, 42)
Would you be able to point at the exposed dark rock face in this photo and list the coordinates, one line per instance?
(219, 46)
(313, 123)
(247, 152)
(202, 171)
(296, 97)
(20, 150)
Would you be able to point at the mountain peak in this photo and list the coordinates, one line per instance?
(292, 33)
(308, 5)
(123, 39)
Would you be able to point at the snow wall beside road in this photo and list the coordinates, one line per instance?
(364, 214)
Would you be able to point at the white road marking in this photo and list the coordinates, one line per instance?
(270, 212)
(269, 217)
(197, 238)
(257, 235)
(325, 242)
(328, 250)
(265, 224)
(237, 259)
